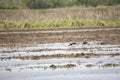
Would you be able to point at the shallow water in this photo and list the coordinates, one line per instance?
(59, 61)
(64, 74)
(60, 48)
(17, 69)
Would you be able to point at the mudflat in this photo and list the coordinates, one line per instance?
(108, 35)
(60, 53)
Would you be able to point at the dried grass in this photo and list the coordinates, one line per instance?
(90, 13)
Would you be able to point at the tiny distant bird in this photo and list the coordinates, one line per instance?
(72, 44)
(85, 42)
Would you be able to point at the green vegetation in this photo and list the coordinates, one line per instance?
(60, 23)
(10, 4)
(35, 14)
(40, 4)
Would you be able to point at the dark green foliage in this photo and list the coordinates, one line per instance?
(51, 3)
(42, 4)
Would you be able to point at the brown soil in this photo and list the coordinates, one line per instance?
(17, 40)
(82, 55)
(62, 66)
(110, 65)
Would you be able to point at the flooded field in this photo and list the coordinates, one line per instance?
(64, 54)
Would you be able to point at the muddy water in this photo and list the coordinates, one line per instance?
(92, 68)
(60, 48)
(88, 60)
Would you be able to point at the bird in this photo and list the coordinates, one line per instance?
(85, 42)
(72, 44)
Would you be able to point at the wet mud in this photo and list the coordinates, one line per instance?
(64, 54)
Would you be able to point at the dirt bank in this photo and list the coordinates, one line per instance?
(82, 55)
(22, 38)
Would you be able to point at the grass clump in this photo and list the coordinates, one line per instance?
(53, 66)
(59, 23)
(89, 65)
(110, 65)
(62, 66)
